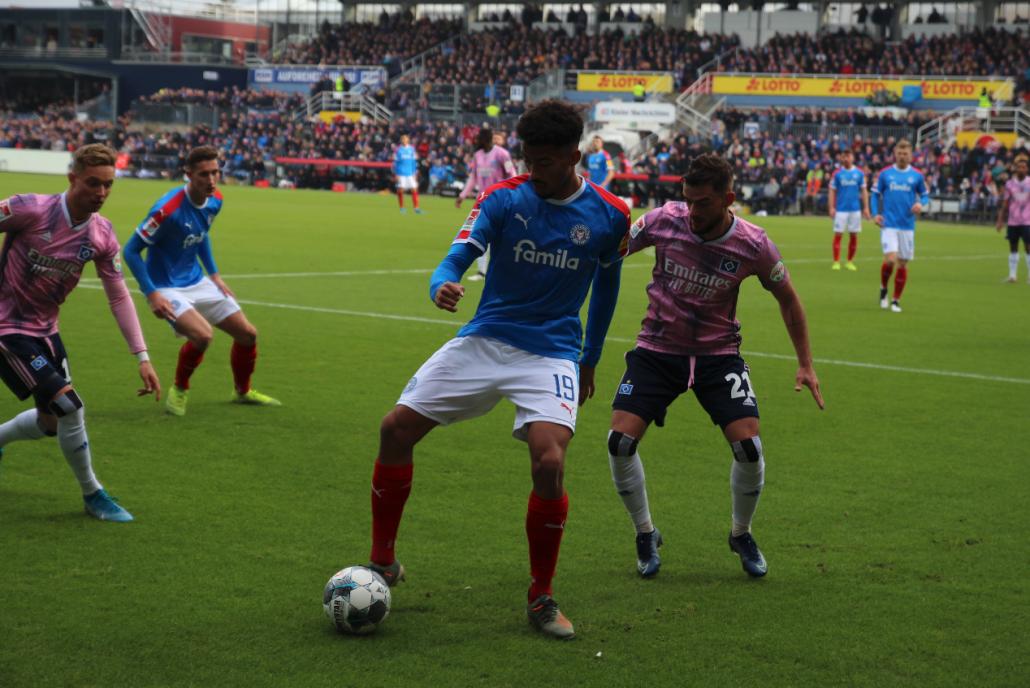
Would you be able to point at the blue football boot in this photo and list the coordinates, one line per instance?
(750, 556)
(102, 506)
(648, 561)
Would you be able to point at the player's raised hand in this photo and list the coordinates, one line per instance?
(448, 295)
(586, 383)
(806, 377)
(160, 306)
(151, 384)
(222, 286)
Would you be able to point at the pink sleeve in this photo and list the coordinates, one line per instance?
(509, 166)
(640, 236)
(471, 180)
(109, 270)
(15, 213)
(769, 267)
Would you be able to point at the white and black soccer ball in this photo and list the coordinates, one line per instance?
(356, 599)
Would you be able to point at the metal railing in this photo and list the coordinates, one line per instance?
(847, 132)
(548, 85)
(179, 114)
(994, 119)
(332, 101)
(56, 53)
(413, 68)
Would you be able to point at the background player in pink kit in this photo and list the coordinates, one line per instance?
(691, 340)
(47, 242)
(490, 164)
(176, 235)
(1016, 208)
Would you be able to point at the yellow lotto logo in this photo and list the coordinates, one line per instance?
(624, 82)
(855, 87)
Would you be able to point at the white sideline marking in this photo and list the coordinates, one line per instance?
(429, 271)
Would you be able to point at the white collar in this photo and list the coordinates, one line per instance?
(569, 199)
(68, 216)
(724, 237)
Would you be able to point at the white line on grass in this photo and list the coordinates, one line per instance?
(622, 340)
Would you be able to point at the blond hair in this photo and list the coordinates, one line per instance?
(93, 155)
(903, 143)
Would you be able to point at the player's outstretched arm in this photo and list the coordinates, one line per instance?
(793, 314)
(445, 289)
(124, 311)
(603, 295)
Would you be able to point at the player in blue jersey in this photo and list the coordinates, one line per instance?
(405, 172)
(599, 164)
(552, 235)
(175, 234)
(849, 205)
(899, 196)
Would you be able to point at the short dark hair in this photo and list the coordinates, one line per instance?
(551, 123)
(201, 154)
(711, 170)
(92, 155)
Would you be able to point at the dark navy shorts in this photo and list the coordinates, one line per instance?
(1018, 233)
(34, 366)
(653, 380)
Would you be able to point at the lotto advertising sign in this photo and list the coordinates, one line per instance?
(624, 82)
(855, 87)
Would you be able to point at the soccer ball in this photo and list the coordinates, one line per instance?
(356, 599)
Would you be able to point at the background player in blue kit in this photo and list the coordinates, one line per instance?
(175, 234)
(599, 163)
(405, 171)
(551, 234)
(849, 205)
(899, 195)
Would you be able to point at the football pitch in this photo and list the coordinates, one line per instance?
(888, 520)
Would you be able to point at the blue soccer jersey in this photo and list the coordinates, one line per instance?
(405, 161)
(599, 164)
(894, 194)
(543, 256)
(176, 231)
(848, 185)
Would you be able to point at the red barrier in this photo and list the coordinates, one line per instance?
(327, 162)
(644, 177)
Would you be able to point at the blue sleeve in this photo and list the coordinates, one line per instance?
(133, 254)
(924, 194)
(874, 200)
(207, 259)
(603, 295)
(453, 266)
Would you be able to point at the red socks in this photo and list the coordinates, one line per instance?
(885, 274)
(189, 358)
(836, 248)
(243, 359)
(852, 245)
(545, 523)
(899, 281)
(400, 197)
(414, 197)
(391, 486)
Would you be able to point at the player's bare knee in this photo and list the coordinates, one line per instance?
(550, 463)
(201, 340)
(248, 337)
(622, 445)
(394, 432)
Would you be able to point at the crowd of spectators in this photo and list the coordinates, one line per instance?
(778, 170)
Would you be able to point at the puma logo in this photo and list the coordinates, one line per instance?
(523, 220)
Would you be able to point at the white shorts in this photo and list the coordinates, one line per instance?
(900, 241)
(847, 221)
(467, 376)
(204, 297)
(406, 183)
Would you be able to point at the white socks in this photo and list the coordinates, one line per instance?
(71, 435)
(1014, 264)
(628, 476)
(481, 264)
(747, 476)
(21, 427)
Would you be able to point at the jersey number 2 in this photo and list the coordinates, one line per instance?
(739, 391)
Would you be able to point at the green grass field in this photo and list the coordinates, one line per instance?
(889, 519)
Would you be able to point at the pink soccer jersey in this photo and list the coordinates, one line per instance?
(487, 169)
(692, 297)
(42, 260)
(1018, 194)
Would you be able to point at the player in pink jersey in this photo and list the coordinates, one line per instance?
(1016, 207)
(691, 340)
(47, 242)
(490, 164)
